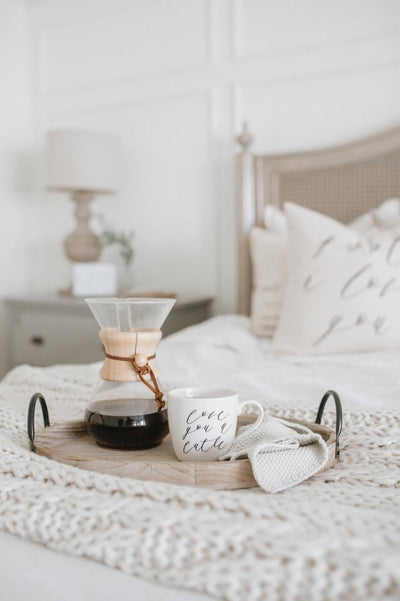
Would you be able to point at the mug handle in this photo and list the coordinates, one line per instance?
(260, 417)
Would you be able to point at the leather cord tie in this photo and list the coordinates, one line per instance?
(142, 371)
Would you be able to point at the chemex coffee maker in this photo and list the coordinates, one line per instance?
(127, 410)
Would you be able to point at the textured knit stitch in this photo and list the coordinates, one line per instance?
(333, 537)
(281, 453)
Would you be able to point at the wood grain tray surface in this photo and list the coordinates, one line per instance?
(70, 443)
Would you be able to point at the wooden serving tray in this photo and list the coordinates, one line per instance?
(70, 443)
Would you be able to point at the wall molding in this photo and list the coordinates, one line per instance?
(381, 53)
(80, 107)
(239, 116)
(43, 30)
(239, 54)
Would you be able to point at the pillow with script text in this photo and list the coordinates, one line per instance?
(268, 260)
(343, 290)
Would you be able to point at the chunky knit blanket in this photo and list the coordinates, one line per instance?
(333, 537)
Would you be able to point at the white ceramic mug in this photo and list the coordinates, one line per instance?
(202, 421)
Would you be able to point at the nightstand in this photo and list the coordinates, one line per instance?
(49, 330)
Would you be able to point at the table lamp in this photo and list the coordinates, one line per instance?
(84, 163)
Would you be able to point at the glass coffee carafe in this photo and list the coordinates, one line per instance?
(127, 410)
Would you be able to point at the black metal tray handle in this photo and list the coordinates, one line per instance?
(31, 417)
(339, 415)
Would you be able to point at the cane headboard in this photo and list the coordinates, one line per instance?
(342, 182)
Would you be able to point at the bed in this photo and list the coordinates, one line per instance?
(335, 536)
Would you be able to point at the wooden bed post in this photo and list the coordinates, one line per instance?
(245, 212)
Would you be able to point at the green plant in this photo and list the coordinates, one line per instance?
(109, 237)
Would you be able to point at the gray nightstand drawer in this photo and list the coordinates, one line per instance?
(47, 339)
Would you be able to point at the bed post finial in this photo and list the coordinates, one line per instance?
(245, 216)
(244, 139)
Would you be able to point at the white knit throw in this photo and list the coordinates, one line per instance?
(334, 537)
(281, 453)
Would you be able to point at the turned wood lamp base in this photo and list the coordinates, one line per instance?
(82, 245)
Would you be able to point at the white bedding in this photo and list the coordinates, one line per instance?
(31, 572)
(222, 351)
(244, 544)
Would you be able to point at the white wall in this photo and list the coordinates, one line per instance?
(176, 78)
(16, 170)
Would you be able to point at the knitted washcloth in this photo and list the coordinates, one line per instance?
(281, 453)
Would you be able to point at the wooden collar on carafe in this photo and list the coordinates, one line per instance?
(140, 364)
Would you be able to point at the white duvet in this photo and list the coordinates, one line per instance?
(223, 352)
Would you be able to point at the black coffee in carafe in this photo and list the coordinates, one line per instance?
(122, 430)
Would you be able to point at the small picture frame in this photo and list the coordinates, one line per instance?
(94, 279)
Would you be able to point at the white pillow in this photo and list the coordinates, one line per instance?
(342, 292)
(386, 216)
(268, 254)
(275, 220)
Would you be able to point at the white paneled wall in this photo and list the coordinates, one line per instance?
(176, 78)
(143, 39)
(269, 28)
(15, 153)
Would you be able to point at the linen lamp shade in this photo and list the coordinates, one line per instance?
(83, 160)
